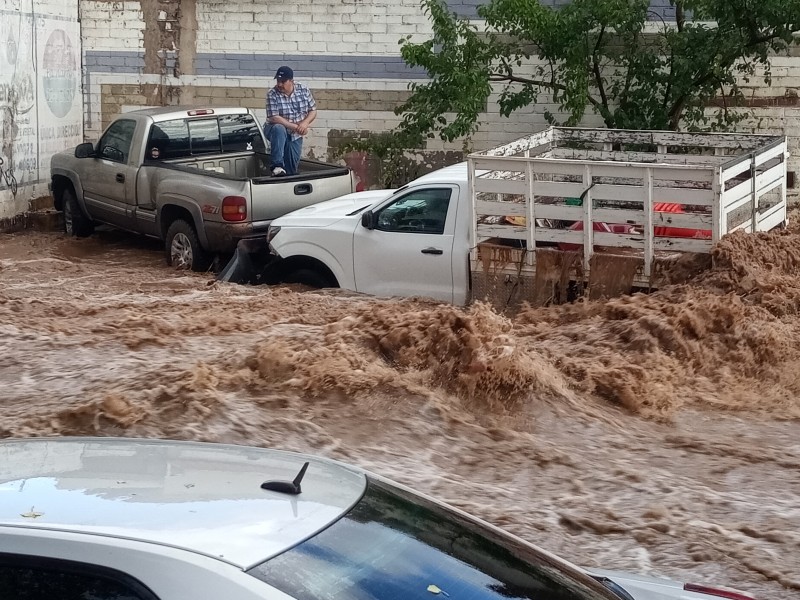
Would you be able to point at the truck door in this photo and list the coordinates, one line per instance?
(110, 179)
(410, 250)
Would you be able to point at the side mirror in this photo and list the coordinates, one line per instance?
(85, 150)
(368, 220)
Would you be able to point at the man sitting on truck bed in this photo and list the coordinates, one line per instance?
(290, 111)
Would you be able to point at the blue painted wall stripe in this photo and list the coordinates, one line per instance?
(265, 65)
(661, 9)
(98, 61)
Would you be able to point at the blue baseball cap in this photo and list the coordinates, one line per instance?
(284, 74)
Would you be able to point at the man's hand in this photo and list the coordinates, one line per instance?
(304, 126)
(301, 128)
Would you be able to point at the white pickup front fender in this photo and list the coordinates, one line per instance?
(303, 248)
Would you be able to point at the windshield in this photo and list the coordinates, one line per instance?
(396, 546)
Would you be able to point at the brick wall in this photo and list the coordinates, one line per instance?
(346, 50)
(152, 52)
(776, 108)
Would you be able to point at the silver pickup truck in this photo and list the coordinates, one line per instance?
(198, 179)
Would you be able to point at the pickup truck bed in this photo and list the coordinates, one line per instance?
(271, 197)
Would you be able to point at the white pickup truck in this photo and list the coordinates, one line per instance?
(405, 242)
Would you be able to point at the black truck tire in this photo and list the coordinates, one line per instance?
(309, 277)
(76, 224)
(183, 248)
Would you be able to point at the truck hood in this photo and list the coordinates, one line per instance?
(328, 212)
(65, 153)
(59, 159)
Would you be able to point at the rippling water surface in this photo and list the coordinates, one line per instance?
(655, 434)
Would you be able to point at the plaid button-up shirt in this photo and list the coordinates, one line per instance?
(293, 108)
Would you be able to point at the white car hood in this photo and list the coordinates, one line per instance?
(331, 211)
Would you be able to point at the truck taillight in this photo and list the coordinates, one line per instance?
(234, 208)
(720, 592)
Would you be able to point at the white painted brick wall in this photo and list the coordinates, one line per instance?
(344, 27)
(111, 26)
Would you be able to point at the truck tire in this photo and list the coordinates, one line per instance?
(183, 248)
(308, 277)
(76, 224)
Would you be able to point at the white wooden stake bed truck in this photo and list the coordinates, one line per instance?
(528, 220)
(610, 207)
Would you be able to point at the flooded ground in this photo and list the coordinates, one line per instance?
(655, 434)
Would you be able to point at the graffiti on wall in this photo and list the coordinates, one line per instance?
(41, 111)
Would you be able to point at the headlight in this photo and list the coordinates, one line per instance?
(272, 232)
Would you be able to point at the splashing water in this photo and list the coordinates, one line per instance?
(652, 433)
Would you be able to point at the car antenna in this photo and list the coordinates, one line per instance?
(286, 487)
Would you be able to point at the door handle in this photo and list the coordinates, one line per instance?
(432, 250)
(303, 189)
(120, 178)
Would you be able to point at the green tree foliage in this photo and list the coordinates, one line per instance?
(609, 56)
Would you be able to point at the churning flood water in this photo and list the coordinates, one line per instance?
(655, 434)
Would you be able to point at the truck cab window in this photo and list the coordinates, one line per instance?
(419, 211)
(168, 139)
(204, 136)
(115, 144)
(240, 133)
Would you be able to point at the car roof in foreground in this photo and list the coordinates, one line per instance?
(205, 498)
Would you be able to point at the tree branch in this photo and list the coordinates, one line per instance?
(623, 97)
(598, 76)
(550, 85)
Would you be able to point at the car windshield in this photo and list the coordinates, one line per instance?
(393, 545)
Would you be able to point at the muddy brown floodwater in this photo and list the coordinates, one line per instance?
(655, 434)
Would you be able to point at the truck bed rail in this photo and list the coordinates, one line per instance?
(581, 189)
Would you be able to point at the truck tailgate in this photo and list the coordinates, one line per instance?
(275, 196)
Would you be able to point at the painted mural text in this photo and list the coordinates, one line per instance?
(40, 100)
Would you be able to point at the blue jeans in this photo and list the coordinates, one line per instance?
(284, 151)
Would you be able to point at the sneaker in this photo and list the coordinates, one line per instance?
(278, 171)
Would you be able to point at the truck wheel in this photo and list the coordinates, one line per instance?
(308, 277)
(75, 222)
(183, 248)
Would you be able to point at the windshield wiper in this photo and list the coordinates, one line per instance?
(614, 587)
(358, 210)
